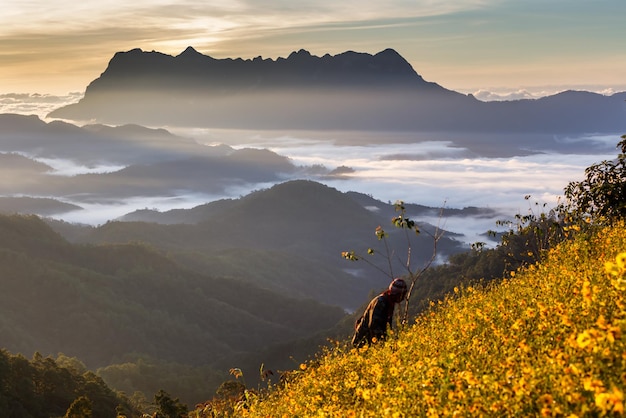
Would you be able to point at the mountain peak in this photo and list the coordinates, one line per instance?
(189, 52)
(301, 54)
(390, 54)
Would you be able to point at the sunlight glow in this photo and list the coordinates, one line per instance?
(467, 45)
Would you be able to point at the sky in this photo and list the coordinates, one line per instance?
(50, 50)
(491, 48)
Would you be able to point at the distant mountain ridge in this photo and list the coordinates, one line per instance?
(349, 91)
(197, 71)
(139, 162)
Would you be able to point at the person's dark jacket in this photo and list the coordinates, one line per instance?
(372, 326)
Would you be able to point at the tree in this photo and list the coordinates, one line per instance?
(80, 408)
(529, 236)
(602, 195)
(168, 407)
(412, 273)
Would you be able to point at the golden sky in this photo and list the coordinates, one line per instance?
(59, 46)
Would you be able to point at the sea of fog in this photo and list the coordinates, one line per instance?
(431, 173)
(386, 167)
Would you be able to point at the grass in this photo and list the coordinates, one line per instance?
(548, 341)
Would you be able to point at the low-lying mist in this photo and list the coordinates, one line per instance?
(430, 173)
(109, 172)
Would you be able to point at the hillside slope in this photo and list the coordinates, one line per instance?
(287, 238)
(549, 341)
(102, 303)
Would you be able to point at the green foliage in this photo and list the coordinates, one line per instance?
(547, 342)
(602, 195)
(530, 235)
(168, 407)
(145, 376)
(80, 408)
(227, 400)
(41, 388)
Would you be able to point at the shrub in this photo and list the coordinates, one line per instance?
(602, 195)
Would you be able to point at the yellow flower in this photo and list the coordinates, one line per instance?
(610, 268)
(546, 400)
(566, 321)
(593, 385)
(618, 268)
(587, 291)
(364, 393)
(620, 260)
(610, 401)
(583, 339)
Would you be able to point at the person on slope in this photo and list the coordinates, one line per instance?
(378, 315)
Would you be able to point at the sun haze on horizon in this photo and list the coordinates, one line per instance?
(60, 46)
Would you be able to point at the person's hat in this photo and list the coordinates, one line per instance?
(398, 287)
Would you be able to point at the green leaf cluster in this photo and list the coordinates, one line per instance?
(602, 194)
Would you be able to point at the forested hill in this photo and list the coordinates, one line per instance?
(288, 238)
(45, 387)
(101, 303)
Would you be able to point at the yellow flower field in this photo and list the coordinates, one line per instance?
(549, 341)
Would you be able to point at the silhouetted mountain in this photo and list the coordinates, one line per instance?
(300, 91)
(12, 165)
(132, 160)
(347, 91)
(34, 206)
(179, 216)
(94, 144)
(211, 175)
(301, 69)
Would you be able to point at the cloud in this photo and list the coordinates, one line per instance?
(69, 168)
(431, 172)
(502, 94)
(193, 15)
(97, 213)
(34, 103)
(488, 96)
